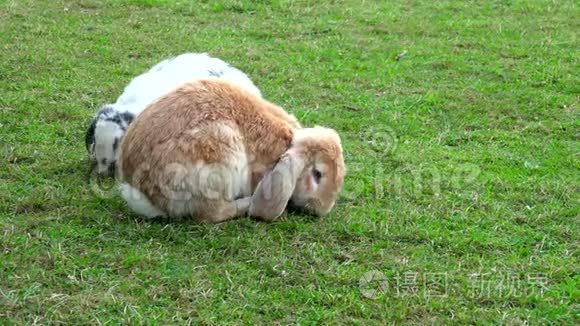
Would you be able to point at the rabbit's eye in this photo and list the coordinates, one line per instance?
(317, 175)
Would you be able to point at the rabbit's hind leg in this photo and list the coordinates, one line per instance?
(221, 211)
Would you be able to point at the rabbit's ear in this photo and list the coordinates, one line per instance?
(90, 136)
(277, 186)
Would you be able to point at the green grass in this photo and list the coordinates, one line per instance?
(462, 158)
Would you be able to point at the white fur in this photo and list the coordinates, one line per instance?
(174, 72)
(104, 140)
(137, 201)
(161, 79)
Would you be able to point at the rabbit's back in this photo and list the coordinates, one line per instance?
(174, 72)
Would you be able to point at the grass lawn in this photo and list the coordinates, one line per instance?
(460, 128)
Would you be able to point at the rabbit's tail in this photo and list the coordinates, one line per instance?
(138, 202)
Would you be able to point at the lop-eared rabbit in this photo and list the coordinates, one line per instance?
(111, 121)
(211, 151)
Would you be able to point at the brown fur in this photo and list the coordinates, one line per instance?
(215, 124)
(325, 148)
(161, 135)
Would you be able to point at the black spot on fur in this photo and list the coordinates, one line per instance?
(115, 144)
(127, 117)
(116, 119)
(123, 120)
(90, 136)
(105, 111)
(111, 168)
(214, 73)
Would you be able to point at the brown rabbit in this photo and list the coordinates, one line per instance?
(204, 149)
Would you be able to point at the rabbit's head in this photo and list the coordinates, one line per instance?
(309, 174)
(106, 133)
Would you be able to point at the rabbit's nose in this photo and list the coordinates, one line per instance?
(106, 170)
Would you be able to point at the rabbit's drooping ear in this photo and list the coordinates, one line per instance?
(276, 187)
(90, 136)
